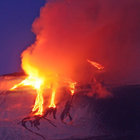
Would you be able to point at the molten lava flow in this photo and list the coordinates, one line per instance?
(71, 85)
(95, 64)
(29, 81)
(38, 103)
(52, 104)
(36, 83)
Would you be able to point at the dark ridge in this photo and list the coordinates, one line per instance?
(16, 74)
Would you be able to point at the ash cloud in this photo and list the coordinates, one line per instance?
(68, 32)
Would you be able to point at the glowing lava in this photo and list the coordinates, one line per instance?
(36, 83)
(38, 103)
(52, 104)
(95, 64)
(29, 81)
(71, 85)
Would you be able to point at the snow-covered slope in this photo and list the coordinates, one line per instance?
(16, 105)
(106, 118)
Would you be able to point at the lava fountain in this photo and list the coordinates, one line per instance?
(36, 83)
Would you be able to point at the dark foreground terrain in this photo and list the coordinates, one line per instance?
(116, 117)
(119, 115)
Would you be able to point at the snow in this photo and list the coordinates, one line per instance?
(7, 82)
(95, 116)
(16, 105)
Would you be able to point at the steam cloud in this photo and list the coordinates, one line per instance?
(68, 32)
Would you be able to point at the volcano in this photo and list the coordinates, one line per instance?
(80, 75)
(113, 117)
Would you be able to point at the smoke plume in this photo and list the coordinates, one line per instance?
(68, 32)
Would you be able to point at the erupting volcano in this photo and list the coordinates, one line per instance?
(39, 84)
(78, 76)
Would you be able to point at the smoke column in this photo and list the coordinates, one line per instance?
(68, 32)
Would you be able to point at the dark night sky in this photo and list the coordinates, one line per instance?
(16, 18)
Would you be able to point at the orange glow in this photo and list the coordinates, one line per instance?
(71, 85)
(29, 81)
(95, 64)
(36, 83)
(33, 80)
(38, 103)
(52, 104)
